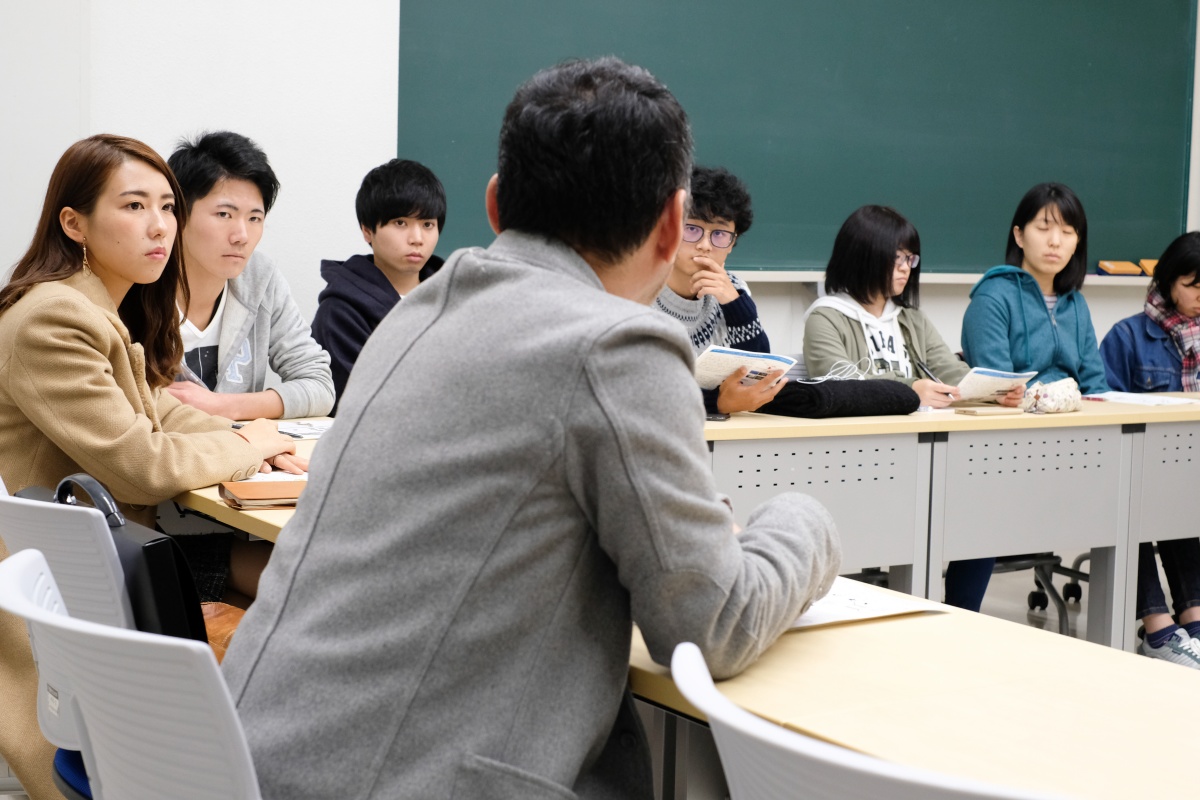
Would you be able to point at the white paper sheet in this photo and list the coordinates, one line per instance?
(849, 600)
(1141, 399)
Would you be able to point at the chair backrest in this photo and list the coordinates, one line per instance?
(79, 547)
(765, 760)
(77, 541)
(157, 718)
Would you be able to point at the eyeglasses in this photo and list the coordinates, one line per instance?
(909, 260)
(721, 239)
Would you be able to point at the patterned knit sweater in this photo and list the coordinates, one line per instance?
(734, 324)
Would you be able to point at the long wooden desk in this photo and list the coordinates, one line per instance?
(965, 694)
(912, 492)
(956, 691)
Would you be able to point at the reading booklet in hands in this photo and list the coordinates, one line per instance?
(716, 364)
(991, 384)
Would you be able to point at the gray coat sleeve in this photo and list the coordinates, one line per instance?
(641, 474)
(301, 363)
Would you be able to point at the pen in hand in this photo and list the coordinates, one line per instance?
(925, 368)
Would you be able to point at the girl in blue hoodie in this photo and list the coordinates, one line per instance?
(1029, 316)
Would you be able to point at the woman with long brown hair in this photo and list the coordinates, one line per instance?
(88, 340)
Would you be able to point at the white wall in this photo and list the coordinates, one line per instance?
(314, 84)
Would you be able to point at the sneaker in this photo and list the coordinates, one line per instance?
(1179, 649)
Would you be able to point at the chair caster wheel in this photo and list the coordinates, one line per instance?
(1072, 591)
(1038, 601)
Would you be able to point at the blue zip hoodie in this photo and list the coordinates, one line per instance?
(1008, 327)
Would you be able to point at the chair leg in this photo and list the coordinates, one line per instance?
(1045, 573)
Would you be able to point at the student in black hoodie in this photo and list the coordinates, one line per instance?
(401, 208)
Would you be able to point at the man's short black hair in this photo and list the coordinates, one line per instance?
(400, 188)
(218, 156)
(590, 153)
(1181, 259)
(864, 257)
(718, 194)
(1067, 206)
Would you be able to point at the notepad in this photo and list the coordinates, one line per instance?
(262, 493)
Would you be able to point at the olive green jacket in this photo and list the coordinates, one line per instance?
(831, 336)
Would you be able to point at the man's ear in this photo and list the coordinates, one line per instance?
(668, 232)
(368, 235)
(73, 223)
(489, 201)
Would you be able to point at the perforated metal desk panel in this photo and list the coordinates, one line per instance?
(876, 487)
(979, 486)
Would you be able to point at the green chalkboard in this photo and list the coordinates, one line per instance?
(947, 110)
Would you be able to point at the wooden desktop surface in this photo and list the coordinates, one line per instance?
(263, 523)
(268, 523)
(971, 695)
(767, 426)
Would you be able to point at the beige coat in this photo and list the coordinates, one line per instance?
(74, 397)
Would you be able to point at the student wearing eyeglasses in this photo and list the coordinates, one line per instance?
(869, 316)
(715, 305)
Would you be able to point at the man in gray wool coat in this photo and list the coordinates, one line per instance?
(517, 475)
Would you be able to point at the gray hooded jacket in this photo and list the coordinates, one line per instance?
(263, 328)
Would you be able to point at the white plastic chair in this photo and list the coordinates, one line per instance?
(156, 719)
(765, 760)
(78, 545)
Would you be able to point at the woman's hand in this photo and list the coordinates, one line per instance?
(285, 462)
(732, 396)
(1013, 398)
(264, 436)
(934, 394)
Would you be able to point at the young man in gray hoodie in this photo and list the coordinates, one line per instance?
(449, 613)
(240, 317)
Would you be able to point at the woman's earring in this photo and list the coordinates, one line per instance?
(86, 266)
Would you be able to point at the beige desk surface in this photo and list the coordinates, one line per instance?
(264, 523)
(767, 426)
(971, 695)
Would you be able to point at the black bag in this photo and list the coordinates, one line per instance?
(161, 590)
(848, 398)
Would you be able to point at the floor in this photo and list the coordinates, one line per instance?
(1006, 598)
